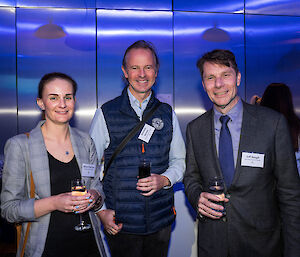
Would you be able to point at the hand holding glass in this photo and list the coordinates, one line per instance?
(216, 187)
(78, 188)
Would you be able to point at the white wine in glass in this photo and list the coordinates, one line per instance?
(78, 188)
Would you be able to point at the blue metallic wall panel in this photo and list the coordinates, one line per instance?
(278, 7)
(236, 6)
(119, 29)
(8, 101)
(195, 34)
(74, 54)
(56, 3)
(111, 4)
(273, 53)
(268, 53)
(7, 2)
(133, 4)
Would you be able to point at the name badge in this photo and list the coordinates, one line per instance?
(253, 160)
(146, 133)
(88, 170)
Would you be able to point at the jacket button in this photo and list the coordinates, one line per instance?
(227, 195)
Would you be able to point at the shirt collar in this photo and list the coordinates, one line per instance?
(134, 102)
(233, 114)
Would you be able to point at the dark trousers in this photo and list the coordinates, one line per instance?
(131, 245)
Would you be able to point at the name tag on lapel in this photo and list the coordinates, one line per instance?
(88, 170)
(253, 159)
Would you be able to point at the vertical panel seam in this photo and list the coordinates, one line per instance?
(245, 69)
(173, 56)
(96, 25)
(17, 88)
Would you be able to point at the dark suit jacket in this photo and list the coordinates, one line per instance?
(263, 214)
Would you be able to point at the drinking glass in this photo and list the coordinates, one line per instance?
(216, 187)
(144, 169)
(78, 188)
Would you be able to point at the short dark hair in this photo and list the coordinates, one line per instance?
(52, 76)
(218, 56)
(144, 45)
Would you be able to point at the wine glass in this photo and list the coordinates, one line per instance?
(78, 188)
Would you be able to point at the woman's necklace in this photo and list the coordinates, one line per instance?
(43, 128)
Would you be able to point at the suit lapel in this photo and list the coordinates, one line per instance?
(206, 143)
(248, 135)
(214, 146)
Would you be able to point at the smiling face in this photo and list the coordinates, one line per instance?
(220, 83)
(57, 101)
(140, 71)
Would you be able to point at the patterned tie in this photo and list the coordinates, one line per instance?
(226, 151)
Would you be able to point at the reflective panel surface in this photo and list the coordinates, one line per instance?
(236, 6)
(276, 57)
(8, 100)
(55, 3)
(56, 40)
(133, 4)
(117, 30)
(278, 7)
(64, 39)
(7, 2)
(196, 34)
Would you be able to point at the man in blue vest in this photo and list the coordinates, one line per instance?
(139, 212)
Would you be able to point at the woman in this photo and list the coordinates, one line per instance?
(278, 97)
(56, 154)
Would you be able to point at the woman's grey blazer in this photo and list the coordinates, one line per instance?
(21, 156)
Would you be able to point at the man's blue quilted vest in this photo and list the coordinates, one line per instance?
(139, 214)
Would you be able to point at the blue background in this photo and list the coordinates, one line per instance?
(263, 34)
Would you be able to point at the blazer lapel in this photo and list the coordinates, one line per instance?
(81, 153)
(39, 162)
(77, 146)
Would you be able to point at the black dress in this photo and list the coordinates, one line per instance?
(62, 239)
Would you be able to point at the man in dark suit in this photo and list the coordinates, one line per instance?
(250, 148)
